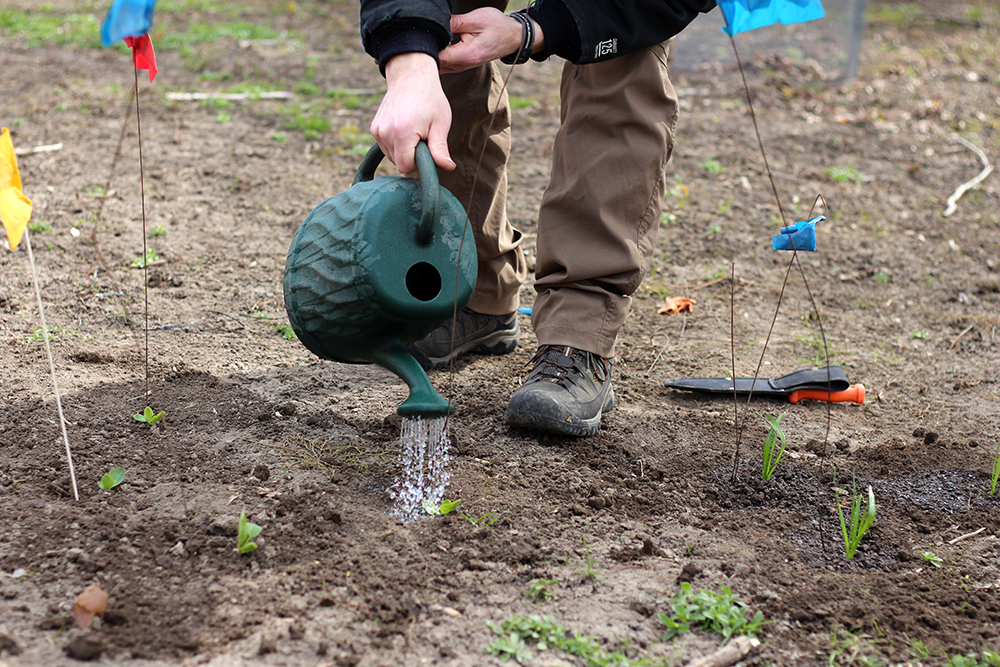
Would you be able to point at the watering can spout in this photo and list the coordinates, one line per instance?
(380, 266)
(423, 401)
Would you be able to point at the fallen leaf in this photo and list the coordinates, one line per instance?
(91, 601)
(676, 304)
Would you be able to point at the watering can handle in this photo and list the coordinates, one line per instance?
(430, 201)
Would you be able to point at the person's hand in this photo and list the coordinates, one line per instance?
(487, 34)
(414, 108)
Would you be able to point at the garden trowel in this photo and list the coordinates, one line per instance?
(818, 384)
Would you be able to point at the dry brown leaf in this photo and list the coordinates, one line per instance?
(676, 304)
(91, 601)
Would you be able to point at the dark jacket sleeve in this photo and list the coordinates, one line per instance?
(586, 31)
(391, 27)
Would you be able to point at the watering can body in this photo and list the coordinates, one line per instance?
(380, 266)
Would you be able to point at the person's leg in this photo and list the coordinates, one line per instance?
(596, 233)
(480, 145)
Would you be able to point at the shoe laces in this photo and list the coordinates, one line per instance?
(547, 364)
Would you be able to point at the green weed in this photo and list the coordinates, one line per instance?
(845, 175)
(847, 648)
(706, 610)
(542, 632)
(145, 260)
(823, 354)
(539, 590)
(312, 126)
(995, 474)
(245, 533)
(158, 230)
(113, 478)
(285, 330)
(855, 529)
(54, 333)
(712, 166)
(49, 27)
(39, 227)
(988, 659)
(770, 454)
(882, 277)
(931, 558)
(487, 519)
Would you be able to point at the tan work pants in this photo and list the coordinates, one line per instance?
(600, 214)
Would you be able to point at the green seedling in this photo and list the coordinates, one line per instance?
(931, 558)
(147, 416)
(995, 475)
(770, 453)
(245, 533)
(446, 507)
(487, 519)
(39, 227)
(158, 230)
(719, 612)
(540, 590)
(145, 260)
(545, 634)
(114, 477)
(859, 523)
(285, 331)
(845, 175)
(988, 659)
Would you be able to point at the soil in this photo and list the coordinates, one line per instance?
(908, 301)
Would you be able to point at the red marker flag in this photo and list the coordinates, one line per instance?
(142, 54)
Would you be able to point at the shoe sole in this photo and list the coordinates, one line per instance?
(498, 342)
(554, 418)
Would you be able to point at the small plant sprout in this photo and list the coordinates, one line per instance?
(539, 590)
(148, 417)
(114, 477)
(446, 507)
(145, 260)
(770, 453)
(859, 523)
(995, 475)
(245, 533)
(720, 612)
(931, 558)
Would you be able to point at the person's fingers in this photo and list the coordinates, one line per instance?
(437, 142)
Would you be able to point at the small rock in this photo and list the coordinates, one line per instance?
(86, 647)
(597, 502)
(10, 644)
(268, 644)
(262, 472)
(688, 573)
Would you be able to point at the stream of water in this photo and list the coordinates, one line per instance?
(424, 453)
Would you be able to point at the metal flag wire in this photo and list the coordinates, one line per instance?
(142, 203)
(812, 300)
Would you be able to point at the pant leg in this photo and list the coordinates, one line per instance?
(600, 214)
(481, 128)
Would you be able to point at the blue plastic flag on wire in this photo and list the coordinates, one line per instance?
(127, 18)
(743, 15)
(800, 236)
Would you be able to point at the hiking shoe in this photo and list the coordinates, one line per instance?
(474, 332)
(566, 392)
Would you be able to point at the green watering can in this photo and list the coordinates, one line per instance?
(380, 266)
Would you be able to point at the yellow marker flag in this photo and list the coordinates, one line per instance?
(15, 208)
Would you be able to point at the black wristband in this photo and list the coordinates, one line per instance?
(523, 54)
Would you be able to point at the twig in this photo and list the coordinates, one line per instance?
(52, 365)
(232, 97)
(952, 203)
(729, 654)
(967, 535)
(959, 336)
(38, 149)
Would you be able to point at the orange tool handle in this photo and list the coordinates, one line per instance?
(854, 393)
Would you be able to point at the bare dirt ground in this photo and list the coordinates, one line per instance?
(909, 301)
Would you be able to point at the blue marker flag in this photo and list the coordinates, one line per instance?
(127, 18)
(800, 236)
(742, 15)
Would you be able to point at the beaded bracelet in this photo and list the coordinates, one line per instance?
(523, 54)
